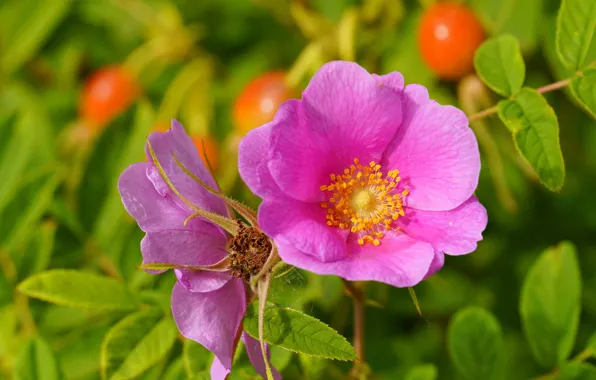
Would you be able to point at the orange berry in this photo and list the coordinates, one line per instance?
(260, 99)
(448, 37)
(107, 93)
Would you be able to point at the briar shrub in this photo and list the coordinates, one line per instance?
(468, 250)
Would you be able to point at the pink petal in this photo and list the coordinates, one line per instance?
(211, 319)
(253, 349)
(454, 232)
(436, 153)
(399, 261)
(436, 264)
(176, 141)
(151, 211)
(345, 114)
(202, 282)
(218, 371)
(303, 226)
(394, 81)
(253, 156)
(183, 247)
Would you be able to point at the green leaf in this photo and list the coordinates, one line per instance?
(550, 304)
(136, 343)
(583, 87)
(475, 343)
(577, 371)
(423, 372)
(196, 357)
(32, 31)
(575, 28)
(499, 63)
(79, 289)
(36, 362)
(536, 135)
(298, 332)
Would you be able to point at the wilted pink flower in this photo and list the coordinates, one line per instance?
(366, 179)
(208, 307)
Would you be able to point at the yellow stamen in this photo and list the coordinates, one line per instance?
(365, 201)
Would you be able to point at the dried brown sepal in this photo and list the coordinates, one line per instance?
(249, 251)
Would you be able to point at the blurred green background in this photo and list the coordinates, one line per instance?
(59, 205)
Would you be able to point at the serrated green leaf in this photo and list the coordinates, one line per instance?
(535, 130)
(577, 371)
(423, 372)
(475, 343)
(36, 362)
(298, 332)
(136, 343)
(499, 63)
(550, 304)
(79, 289)
(196, 357)
(583, 87)
(576, 22)
(32, 32)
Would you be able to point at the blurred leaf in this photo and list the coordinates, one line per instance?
(583, 87)
(196, 357)
(423, 372)
(36, 362)
(298, 332)
(32, 31)
(175, 371)
(34, 211)
(136, 343)
(500, 65)
(39, 254)
(15, 157)
(592, 344)
(8, 327)
(280, 358)
(313, 367)
(524, 22)
(550, 304)
(493, 13)
(79, 289)
(575, 27)
(112, 216)
(535, 130)
(475, 343)
(577, 371)
(80, 359)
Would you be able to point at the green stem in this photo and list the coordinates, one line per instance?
(263, 288)
(582, 356)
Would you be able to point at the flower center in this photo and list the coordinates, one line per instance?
(364, 200)
(249, 251)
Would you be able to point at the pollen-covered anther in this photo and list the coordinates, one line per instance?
(364, 200)
(249, 251)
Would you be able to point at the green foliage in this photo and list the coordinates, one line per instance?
(65, 237)
(136, 343)
(423, 372)
(79, 289)
(298, 332)
(475, 343)
(535, 130)
(500, 65)
(577, 371)
(550, 304)
(36, 362)
(583, 87)
(575, 27)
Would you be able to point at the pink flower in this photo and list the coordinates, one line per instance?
(208, 307)
(365, 179)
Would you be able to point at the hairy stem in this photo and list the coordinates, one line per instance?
(359, 304)
(263, 288)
